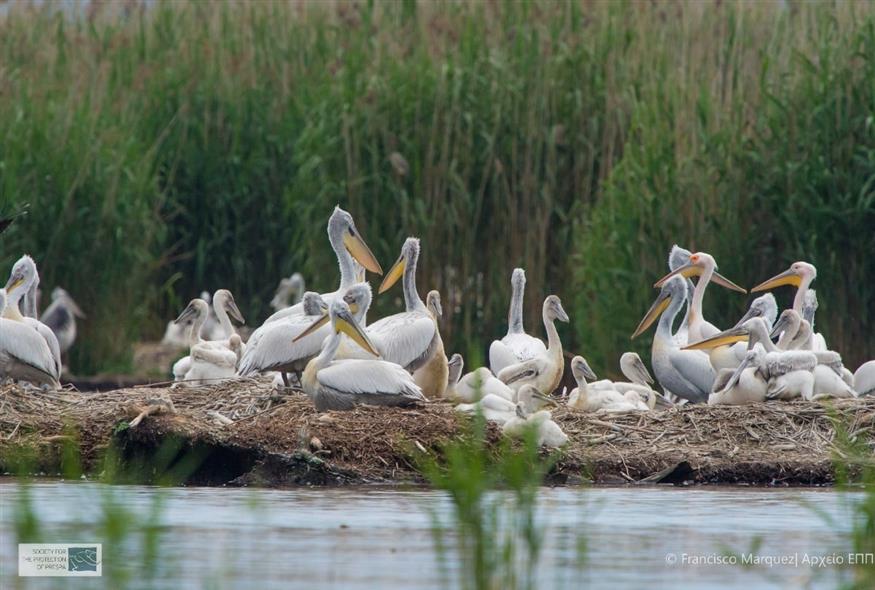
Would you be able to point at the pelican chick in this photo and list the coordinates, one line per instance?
(475, 385)
(455, 364)
(864, 378)
(24, 354)
(343, 384)
(60, 316)
(526, 416)
(544, 370)
(747, 384)
(516, 345)
(433, 377)
(586, 398)
(290, 291)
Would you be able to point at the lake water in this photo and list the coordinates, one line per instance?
(368, 538)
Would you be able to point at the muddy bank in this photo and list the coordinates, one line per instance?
(244, 433)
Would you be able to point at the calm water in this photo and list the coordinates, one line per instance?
(366, 538)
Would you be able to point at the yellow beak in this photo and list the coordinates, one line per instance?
(351, 329)
(312, 327)
(360, 251)
(723, 339)
(14, 285)
(690, 270)
(788, 277)
(395, 273)
(654, 312)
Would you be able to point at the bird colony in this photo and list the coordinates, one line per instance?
(323, 344)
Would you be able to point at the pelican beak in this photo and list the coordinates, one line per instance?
(186, 313)
(234, 311)
(544, 398)
(687, 271)
(724, 282)
(641, 371)
(560, 313)
(662, 302)
(13, 283)
(733, 379)
(788, 277)
(520, 375)
(320, 321)
(360, 251)
(586, 371)
(725, 338)
(778, 327)
(750, 313)
(346, 324)
(395, 273)
(75, 308)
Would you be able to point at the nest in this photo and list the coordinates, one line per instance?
(248, 424)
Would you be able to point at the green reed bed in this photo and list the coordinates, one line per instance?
(182, 146)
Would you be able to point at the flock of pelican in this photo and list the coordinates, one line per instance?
(325, 344)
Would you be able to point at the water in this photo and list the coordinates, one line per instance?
(365, 538)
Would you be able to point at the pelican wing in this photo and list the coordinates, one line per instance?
(271, 347)
(694, 373)
(297, 309)
(22, 344)
(50, 338)
(407, 339)
(524, 346)
(213, 356)
(781, 363)
(373, 381)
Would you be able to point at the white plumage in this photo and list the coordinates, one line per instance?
(516, 345)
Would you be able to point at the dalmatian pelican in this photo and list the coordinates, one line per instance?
(527, 416)
(60, 316)
(516, 346)
(433, 377)
(24, 353)
(800, 274)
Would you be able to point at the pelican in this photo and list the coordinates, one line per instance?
(224, 309)
(637, 388)
(61, 316)
(24, 353)
(748, 384)
(678, 257)
(587, 398)
(343, 384)
(433, 377)
(22, 280)
(273, 347)
(210, 360)
(864, 378)
(809, 308)
(409, 338)
(475, 385)
(704, 266)
(800, 274)
(289, 292)
(544, 370)
(493, 407)
(516, 346)
(349, 247)
(686, 374)
(526, 416)
(455, 364)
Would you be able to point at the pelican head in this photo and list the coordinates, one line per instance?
(225, 300)
(764, 307)
(673, 288)
(634, 369)
(740, 333)
(295, 283)
(22, 275)
(794, 275)
(195, 308)
(553, 309)
(789, 320)
(518, 279)
(532, 400)
(357, 298)
(581, 371)
(341, 229)
(59, 294)
(409, 256)
(342, 322)
(433, 303)
(678, 257)
(699, 264)
(313, 303)
(455, 364)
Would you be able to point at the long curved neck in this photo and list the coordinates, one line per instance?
(30, 301)
(695, 311)
(554, 344)
(361, 314)
(13, 309)
(329, 349)
(411, 298)
(222, 316)
(344, 261)
(198, 323)
(789, 334)
(515, 313)
(666, 320)
(759, 335)
(799, 299)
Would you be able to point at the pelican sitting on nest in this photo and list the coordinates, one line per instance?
(343, 384)
(544, 370)
(210, 361)
(23, 281)
(289, 292)
(800, 275)
(686, 374)
(349, 247)
(747, 384)
(24, 354)
(864, 378)
(516, 346)
(274, 347)
(433, 377)
(587, 398)
(637, 389)
(527, 415)
(475, 385)
(61, 316)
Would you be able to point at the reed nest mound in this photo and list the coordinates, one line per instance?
(245, 432)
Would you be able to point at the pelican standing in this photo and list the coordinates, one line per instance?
(24, 354)
(516, 346)
(60, 316)
(349, 247)
(678, 257)
(343, 384)
(800, 274)
(290, 291)
(544, 370)
(433, 377)
(527, 416)
(686, 374)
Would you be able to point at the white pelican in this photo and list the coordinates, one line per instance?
(685, 373)
(809, 309)
(544, 370)
(61, 316)
(493, 407)
(475, 385)
(637, 388)
(526, 416)
(455, 364)
(344, 384)
(24, 354)
(678, 257)
(433, 376)
(23, 279)
(747, 384)
(516, 346)
(800, 274)
(704, 266)
(290, 291)
(210, 361)
(349, 247)
(273, 347)
(587, 398)
(864, 378)
(409, 338)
